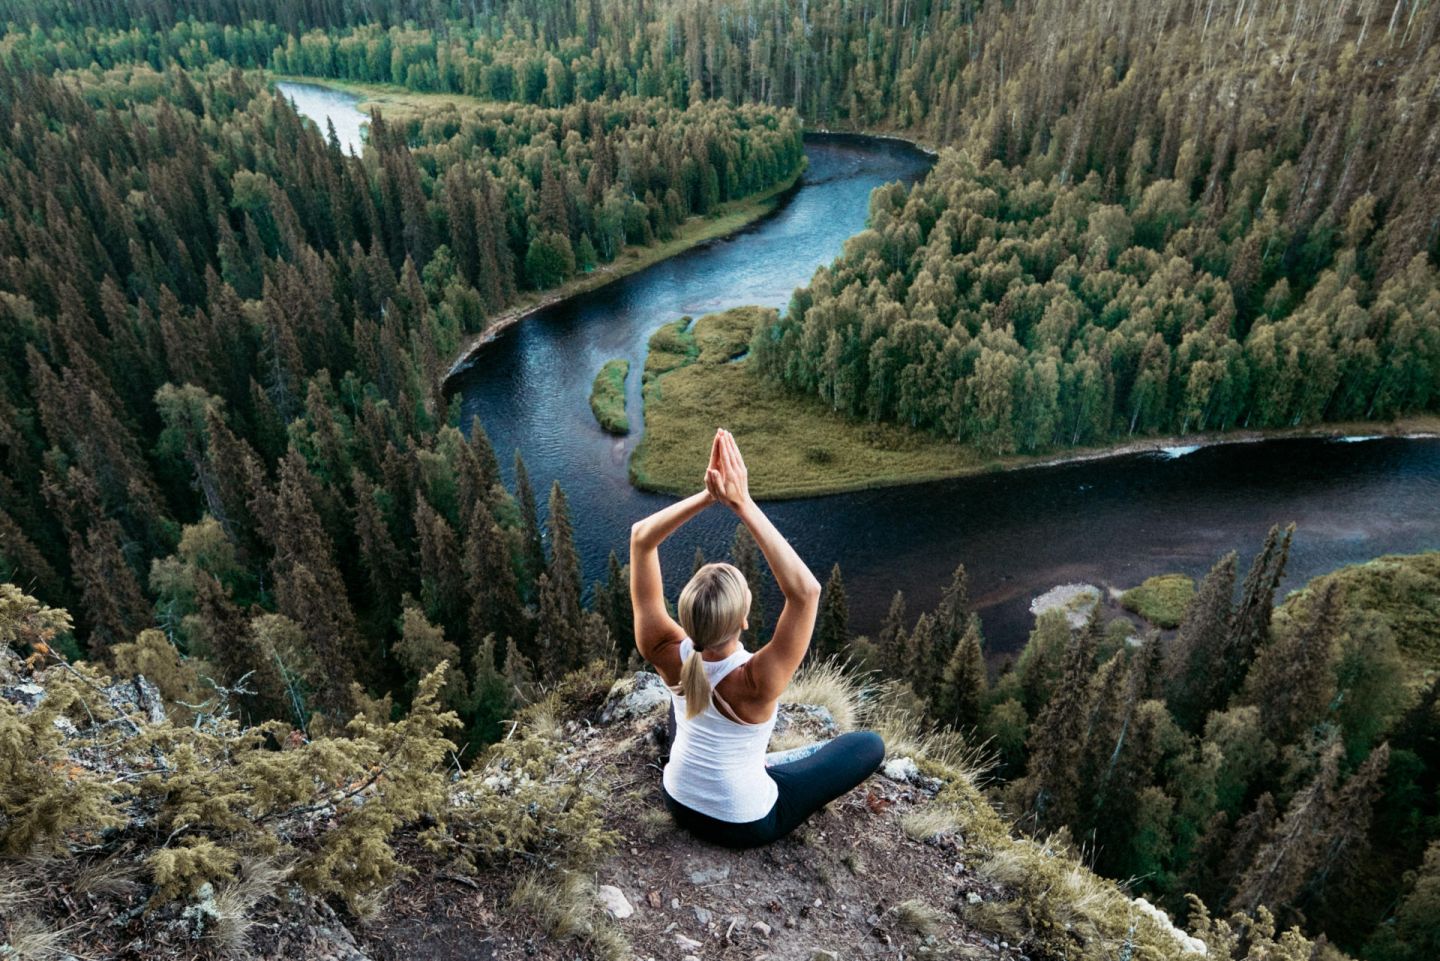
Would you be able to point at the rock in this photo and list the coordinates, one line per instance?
(703, 915)
(710, 875)
(1075, 601)
(1188, 943)
(973, 898)
(654, 898)
(27, 695)
(634, 696)
(809, 720)
(615, 902)
(821, 954)
(686, 944)
(761, 928)
(906, 771)
(901, 769)
(689, 957)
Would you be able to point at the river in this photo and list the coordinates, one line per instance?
(1110, 522)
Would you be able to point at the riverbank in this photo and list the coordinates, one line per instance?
(797, 447)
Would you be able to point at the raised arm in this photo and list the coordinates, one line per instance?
(656, 633)
(774, 664)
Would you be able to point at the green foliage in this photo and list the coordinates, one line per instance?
(1161, 600)
(607, 396)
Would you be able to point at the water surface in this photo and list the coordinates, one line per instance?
(325, 103)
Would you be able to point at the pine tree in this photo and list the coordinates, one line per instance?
(1250, 627)
(745, 555)
(892, 640)
(698, 561)
(442, 579)
(490, 584)
(919, 660)
(1050, 788)
(832, 634)
(532, 550)
(965, 683)
(1292, 681)
(1191, 662)
(952, 615)
(1294, 846)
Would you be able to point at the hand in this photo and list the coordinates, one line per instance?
(726, 478)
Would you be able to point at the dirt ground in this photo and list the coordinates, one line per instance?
(849, 881)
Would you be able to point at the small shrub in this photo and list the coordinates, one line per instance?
(1160, 600)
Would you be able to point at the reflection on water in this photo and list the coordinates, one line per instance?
(1111, 522)
(321, 104)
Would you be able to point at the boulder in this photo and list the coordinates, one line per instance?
(616, 904)
(634, 696)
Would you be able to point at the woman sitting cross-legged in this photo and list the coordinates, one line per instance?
(716, 783)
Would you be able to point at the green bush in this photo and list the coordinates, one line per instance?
(1160, 600)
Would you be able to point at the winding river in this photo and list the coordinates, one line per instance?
(1110, 522)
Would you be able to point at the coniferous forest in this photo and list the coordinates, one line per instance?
(230, 454)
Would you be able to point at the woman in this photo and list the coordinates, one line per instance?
(716, 784)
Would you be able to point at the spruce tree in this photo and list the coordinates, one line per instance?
(952, 615)
(1051, 786)
(490, 586)
(1292, 681)
(1250, 627)
(891, 640)
(745, 555)
(965, 682)
(532, 550)
(832, 633)
(919, 660)
(1192, 666)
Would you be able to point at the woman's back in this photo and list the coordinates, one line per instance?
(717, 765)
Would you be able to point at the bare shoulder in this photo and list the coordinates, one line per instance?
(746, 690)
(664, 656)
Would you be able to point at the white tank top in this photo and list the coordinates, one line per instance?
(717, 765)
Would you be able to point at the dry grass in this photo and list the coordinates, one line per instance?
(832, 685)
(565, 906)
(235, 902)
(930, 822)
(29, 939)
(918, 917)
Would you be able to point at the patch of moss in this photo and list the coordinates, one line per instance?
(1160, 600)
(607, 396)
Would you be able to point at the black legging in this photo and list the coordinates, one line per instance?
(805, 786)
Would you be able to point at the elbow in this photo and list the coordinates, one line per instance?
(639, 534)
(810, 589)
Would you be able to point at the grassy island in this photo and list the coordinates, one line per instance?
(607, 396)
(697, 379)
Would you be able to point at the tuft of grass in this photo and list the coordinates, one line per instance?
(916, 916)
(930, 822)
(607, 396)
(831, 685)
(1160, 600)
(235, 901)
(29, 939)
(566, 908)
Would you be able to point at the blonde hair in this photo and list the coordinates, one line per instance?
(713, 607)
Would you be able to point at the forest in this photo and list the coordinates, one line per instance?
(229, 451)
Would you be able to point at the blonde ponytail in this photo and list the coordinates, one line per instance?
(694, 685)
(712, 609)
